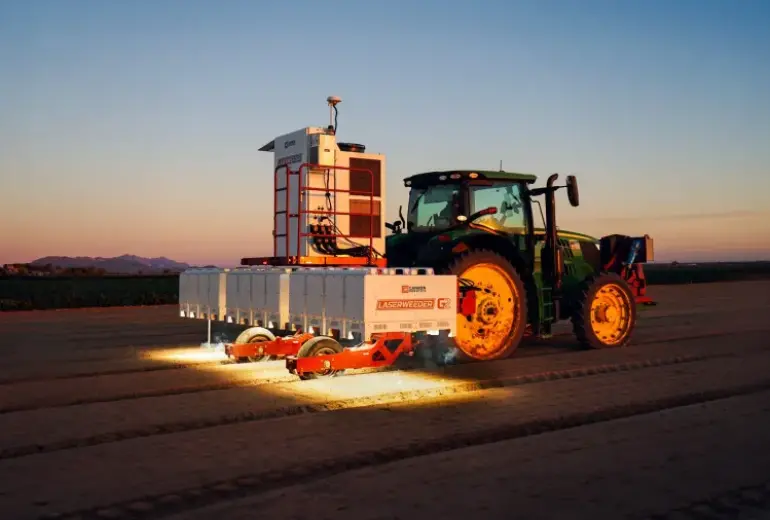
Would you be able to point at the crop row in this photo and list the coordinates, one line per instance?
(28, 293)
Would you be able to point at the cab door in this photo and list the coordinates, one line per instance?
(513, 215)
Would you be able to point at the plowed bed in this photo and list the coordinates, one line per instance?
(118, 413)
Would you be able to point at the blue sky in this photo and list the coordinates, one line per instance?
(134, 126)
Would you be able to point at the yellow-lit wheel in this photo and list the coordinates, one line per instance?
(606, 314)
(495, 327)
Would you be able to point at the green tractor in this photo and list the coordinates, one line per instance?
(517, 279)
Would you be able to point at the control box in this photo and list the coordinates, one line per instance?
(320, 181)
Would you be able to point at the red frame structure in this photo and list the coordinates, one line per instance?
(302, 190)
(279, 347)
(634, 276)
(367, 355)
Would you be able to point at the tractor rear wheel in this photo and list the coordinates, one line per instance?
(319, 346)
(494, 330)
(605, 312)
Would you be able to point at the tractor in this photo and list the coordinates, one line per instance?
(497, 277)
(514, 278)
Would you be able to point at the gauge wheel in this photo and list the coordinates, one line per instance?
(320, 346)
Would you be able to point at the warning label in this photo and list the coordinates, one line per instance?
(401, 305)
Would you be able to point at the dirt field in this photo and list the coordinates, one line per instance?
(118, 413)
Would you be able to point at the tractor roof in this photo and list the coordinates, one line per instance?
(431, 177)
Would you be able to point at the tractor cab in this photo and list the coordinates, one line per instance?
(443, 200)
(471, 207)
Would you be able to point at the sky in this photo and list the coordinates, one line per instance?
(134, 127)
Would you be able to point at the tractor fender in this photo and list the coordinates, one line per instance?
(504, 246)
(249, 333)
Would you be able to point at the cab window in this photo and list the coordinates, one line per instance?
(434, 207)
(511, 216)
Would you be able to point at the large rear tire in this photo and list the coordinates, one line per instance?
(605, 312)
(497, 326)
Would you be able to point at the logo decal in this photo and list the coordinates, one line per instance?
(290, 159)
(402, 305)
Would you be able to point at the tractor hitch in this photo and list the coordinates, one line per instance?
(625, 256)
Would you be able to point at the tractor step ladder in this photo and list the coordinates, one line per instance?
(546, 296)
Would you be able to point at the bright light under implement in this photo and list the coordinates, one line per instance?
(189, 355)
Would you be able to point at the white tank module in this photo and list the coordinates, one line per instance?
(259, 296)
(203, 294)
(306, 300)
(366, 301)
(337, 185)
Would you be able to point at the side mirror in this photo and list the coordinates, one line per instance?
(395, 227)
(572, 191)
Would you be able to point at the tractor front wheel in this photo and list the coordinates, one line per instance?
(494, 329)
(605, 312)
(319, 346)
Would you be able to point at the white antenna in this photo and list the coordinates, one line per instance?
(501, 165)
(332, 101)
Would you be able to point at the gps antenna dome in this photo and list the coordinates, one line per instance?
(332, 101)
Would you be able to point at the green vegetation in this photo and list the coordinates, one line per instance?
(35, 292)
(706, 272)
(61, 292)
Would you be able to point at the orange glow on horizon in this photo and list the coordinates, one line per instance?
(223, 237)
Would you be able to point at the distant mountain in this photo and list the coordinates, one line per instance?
(125, 264)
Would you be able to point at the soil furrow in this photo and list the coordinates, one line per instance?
(38, 429)
(249, 485)
(34, 396)
(648, 332)
(744, 503)
(152, 393)
(109, 372)
(627, 468)
(561, 341)
(211, 461)
(325, 406)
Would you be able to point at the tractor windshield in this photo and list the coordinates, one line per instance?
(433, 208)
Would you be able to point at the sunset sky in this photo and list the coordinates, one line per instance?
(133, 127)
